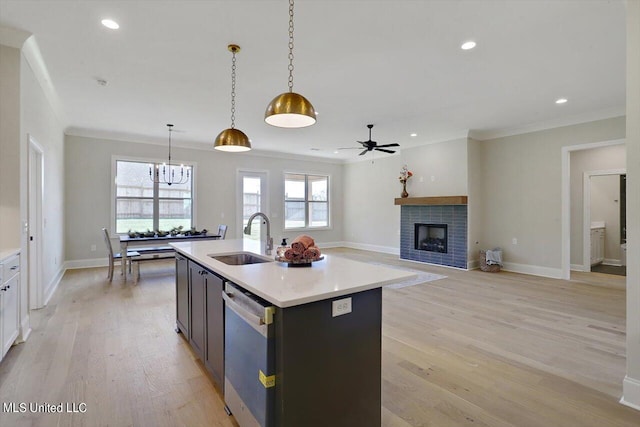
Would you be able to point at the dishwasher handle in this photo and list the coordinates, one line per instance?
(246, 315)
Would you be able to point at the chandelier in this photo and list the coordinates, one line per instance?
(166, 172)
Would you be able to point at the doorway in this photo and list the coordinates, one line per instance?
(604, 222)
(35, 225)
(252, 198)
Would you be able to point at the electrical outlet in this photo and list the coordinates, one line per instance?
(340, 307)
(421, 179)
(514, 241)
(93, 248)
(433, 178)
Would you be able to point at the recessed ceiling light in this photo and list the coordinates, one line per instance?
(468, 45)
(414, 134)
(561, 100)
(336, 152)
(315, 149)
(110, 23)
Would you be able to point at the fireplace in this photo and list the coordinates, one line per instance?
(431, 237)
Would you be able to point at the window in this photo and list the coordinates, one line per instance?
(142, 204)
(306, 201)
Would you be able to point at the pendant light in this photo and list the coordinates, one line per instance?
(168, 174)
(290, 109)
(232, 139)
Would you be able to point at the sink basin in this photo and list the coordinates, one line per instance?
(241, 258)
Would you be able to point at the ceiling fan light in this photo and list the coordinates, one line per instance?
(290, 110)
(232, 140)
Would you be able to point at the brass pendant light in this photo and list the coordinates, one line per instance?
(290, 109)
(232, 139)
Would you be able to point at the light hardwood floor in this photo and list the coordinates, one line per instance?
(474, 349)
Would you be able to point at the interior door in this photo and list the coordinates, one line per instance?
(36, 182)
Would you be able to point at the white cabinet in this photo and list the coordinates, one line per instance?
(597, 245)
(9, 301)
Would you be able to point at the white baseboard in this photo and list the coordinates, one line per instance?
(86, 263)
(578, 267)
(25, 329)
(615, 262)
(330, 244)
(374, 248)
(631, 393)
(473, 264)
(53, 285)
(534, 270)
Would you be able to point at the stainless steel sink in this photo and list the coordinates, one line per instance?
(240, 258)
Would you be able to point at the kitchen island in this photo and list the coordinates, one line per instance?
(321, 329)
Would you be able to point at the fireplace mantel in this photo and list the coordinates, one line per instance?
(440, 200)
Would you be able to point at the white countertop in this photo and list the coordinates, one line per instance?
(4, 254)
(285, 286)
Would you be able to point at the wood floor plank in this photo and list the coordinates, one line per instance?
(472, 349)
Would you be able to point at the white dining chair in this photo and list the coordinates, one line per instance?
(117, 256)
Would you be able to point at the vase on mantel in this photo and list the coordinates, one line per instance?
(404, 190)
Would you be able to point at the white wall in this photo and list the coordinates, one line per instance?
(475, 203)
(41, 122)
(631, 386)
(88, 190)
(371, 220)
(581, 161)
(605, 207)
(521, 193)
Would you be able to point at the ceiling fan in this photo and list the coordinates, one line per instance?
(372, 145)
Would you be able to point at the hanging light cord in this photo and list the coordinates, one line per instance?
(170, 130)
(290, 45)
(233, 89)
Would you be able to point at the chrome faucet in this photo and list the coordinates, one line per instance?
(247, 230)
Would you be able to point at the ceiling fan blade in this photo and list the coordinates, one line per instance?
(386, 151)
(363, 152)
(390, 145)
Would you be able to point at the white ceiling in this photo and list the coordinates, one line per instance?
(397, 64)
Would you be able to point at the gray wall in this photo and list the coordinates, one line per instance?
(521, 192)
(9, 148)
(88, 183)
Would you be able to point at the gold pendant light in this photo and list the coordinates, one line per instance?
(290, 109)
(232, 139)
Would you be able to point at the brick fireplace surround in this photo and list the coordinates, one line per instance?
(450, 210)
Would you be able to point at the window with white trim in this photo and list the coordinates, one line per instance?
(306, 201)
(142, 204)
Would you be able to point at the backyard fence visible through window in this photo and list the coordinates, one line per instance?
(142, 204)
(306, 201)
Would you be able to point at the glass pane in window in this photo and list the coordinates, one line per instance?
(294, 187)
(251, 203)
(132, 179)
(174, 213)
(176, 191)
(318, 188)
(294, 215)
(134, 214)
(318, 214)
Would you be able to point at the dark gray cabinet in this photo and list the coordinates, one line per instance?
(198, 305)
(200, 314)
(214, 352)
(182, 295)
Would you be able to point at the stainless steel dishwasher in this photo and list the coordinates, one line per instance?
(249, 357)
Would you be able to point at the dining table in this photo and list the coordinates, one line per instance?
(153, 241)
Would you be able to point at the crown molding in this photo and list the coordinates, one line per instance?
(483, 135)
